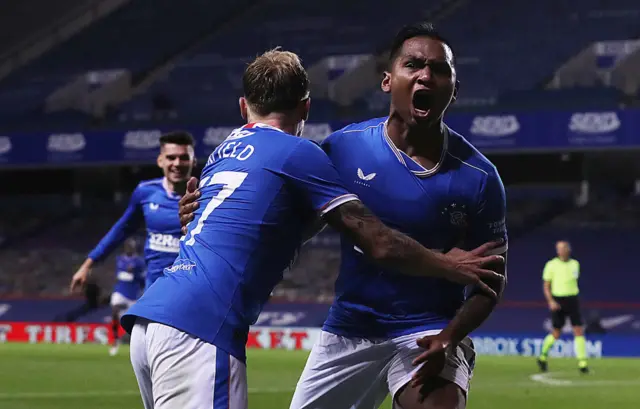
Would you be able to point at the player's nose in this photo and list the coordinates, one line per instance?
(425, 76)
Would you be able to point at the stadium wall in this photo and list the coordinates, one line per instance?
(293, 338)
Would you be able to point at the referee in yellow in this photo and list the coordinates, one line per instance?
(560, 277)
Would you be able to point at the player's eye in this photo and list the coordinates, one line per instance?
(440, 68)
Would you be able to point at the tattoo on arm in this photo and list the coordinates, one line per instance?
(385, 245)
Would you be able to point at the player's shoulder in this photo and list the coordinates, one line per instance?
(151, 184)
(355, 130)
(148, 187)
(553, 261)
(460, 149)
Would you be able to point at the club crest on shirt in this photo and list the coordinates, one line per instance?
(457, 214)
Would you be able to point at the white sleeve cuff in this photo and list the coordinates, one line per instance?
(338, 201)
(497, 250)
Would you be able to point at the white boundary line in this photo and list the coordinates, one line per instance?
(93, 394)
(551, 379)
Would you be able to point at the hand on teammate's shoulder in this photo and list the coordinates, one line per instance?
(188, 204)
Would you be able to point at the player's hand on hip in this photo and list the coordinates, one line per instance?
(471, 266)
(432, 359)
(188, 204)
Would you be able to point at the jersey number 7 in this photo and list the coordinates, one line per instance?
(230, 181)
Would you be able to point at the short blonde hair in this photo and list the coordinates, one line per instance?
(275, 81)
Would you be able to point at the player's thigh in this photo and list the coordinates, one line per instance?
(140, 362)
(558, 318)
(575, 316)
(458, 369)
(438, 394)
(187, 372)
(343, 373)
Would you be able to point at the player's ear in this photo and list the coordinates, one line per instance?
(307, 109)
(386, 82)
(159, 160)
(243, 107)
(456, 88)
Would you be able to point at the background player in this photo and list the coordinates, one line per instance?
(560, 277)
(264, 190)
(130, 272)
(153, 203)
(417, 175)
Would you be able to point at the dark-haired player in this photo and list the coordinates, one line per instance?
(425, 179)
(154, 204)
(264, 190)
(130, 272)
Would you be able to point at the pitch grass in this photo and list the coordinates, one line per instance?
(85, 376)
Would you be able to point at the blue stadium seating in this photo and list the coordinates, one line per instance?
(136, 37)
(502, 47)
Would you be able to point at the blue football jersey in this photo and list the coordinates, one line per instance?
(130, 273)
(458, 203)
(156, 208)
(262, 193)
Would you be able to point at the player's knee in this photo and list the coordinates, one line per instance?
(578, 331)
(439, 394)
(556, 333)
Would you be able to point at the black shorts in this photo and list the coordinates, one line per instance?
(569, 307)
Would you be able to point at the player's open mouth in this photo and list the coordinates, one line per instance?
(422, 101)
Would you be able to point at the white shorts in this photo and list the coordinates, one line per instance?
(177, 370)
(118, 300)
(356, 373)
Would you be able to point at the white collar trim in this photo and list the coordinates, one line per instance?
(424, 172)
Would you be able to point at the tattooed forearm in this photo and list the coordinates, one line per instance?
(385, 245)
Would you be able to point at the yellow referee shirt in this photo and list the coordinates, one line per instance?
(563, 276)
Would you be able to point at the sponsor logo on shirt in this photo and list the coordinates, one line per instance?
(125, 276)
(368, 177)
(364, 179)
(181, 264)
(164, 243)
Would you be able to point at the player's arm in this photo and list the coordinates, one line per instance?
(487, 224)
(310, 170)
(547, 278)
(397, 251)
(124, 227)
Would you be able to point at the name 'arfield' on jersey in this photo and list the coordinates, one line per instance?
(232, 148)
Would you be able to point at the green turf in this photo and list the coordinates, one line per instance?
(85, 376)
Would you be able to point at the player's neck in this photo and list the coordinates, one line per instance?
(279, 121)
(179, 188)
(422, 142)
